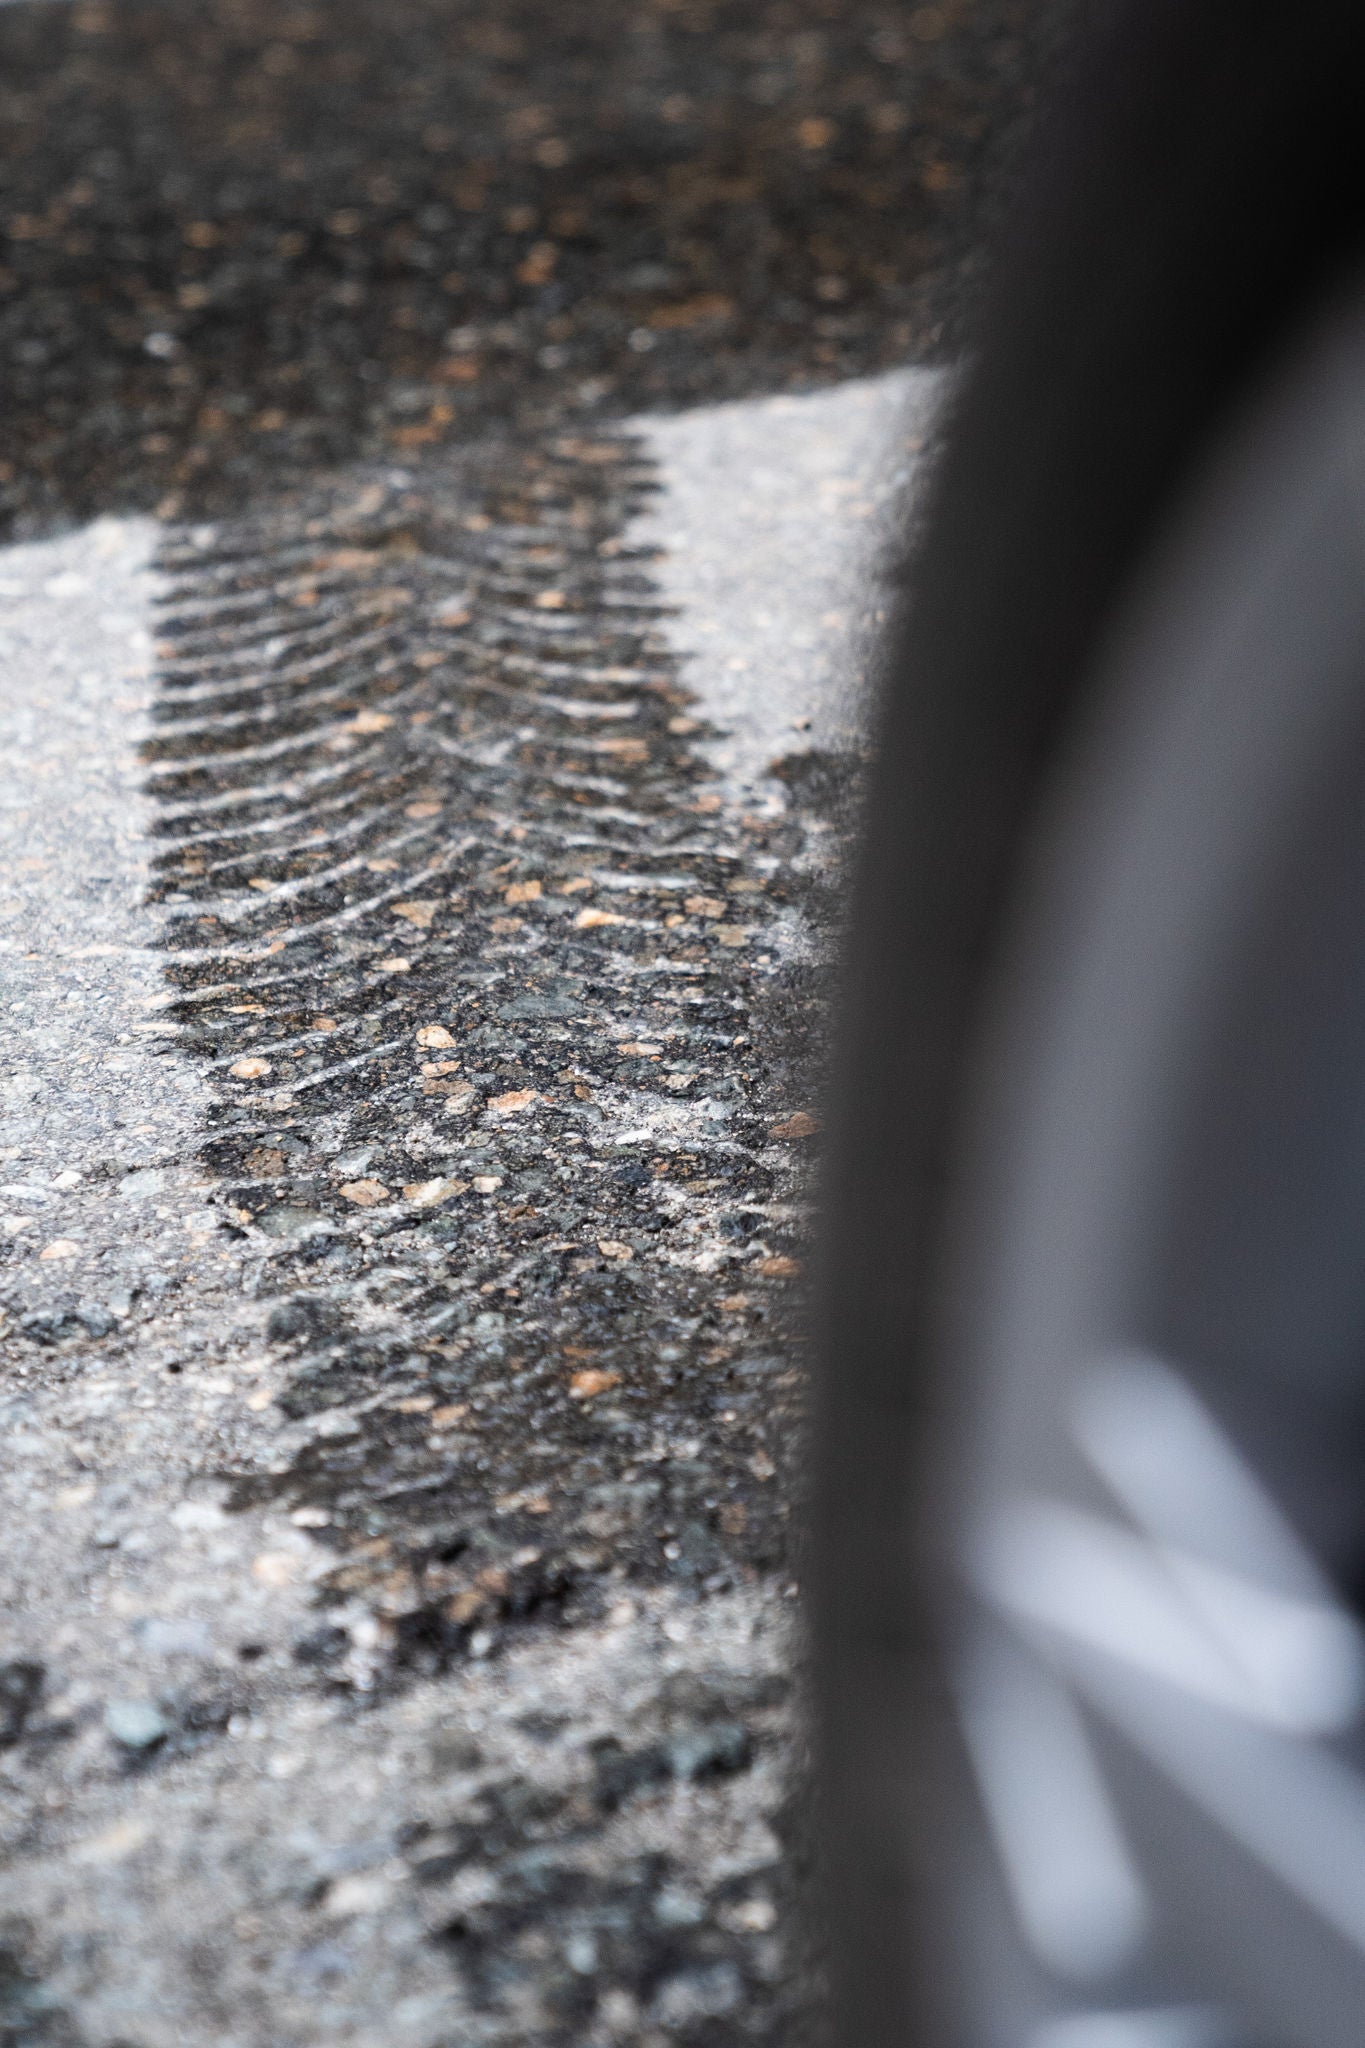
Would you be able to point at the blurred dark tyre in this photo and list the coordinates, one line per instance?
(1090, 1434)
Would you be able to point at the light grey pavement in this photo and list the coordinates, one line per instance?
(82, 979)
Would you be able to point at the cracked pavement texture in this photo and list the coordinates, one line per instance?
(425, 770)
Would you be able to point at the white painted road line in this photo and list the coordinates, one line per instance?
(773, 520)
(80, 982)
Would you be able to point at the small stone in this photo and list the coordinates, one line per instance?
(586, 1385)
(60, 1248)
(589, 919)
(619, 2010)
(486, 1183)
(522, 892)
(516, 1098)
(275, 1568)
(639, 1049)
(751, 1916)
(802, 1125)
(48, 1329)
(371, 721)
(332, 1424)
(434, 1035)
(365, 1193)
(425, 1194)
(623, 749)
(731, 934)
(704, 906)
(779, 1267)
(250, 1069)
(135, 1724)
(815, 132)
(580, 1953)
(350, 1165)
(420, 914)
(396, 964)
(289, 1221)
(355, 1895)
(612, 1248)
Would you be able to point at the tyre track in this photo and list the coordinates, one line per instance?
(494, 990)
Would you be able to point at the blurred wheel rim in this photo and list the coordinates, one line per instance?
(1148, 1489)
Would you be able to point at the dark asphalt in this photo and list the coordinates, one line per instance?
(245, 239)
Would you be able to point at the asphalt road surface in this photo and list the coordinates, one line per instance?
(449, 460)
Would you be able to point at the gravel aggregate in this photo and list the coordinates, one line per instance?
(243, 240)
